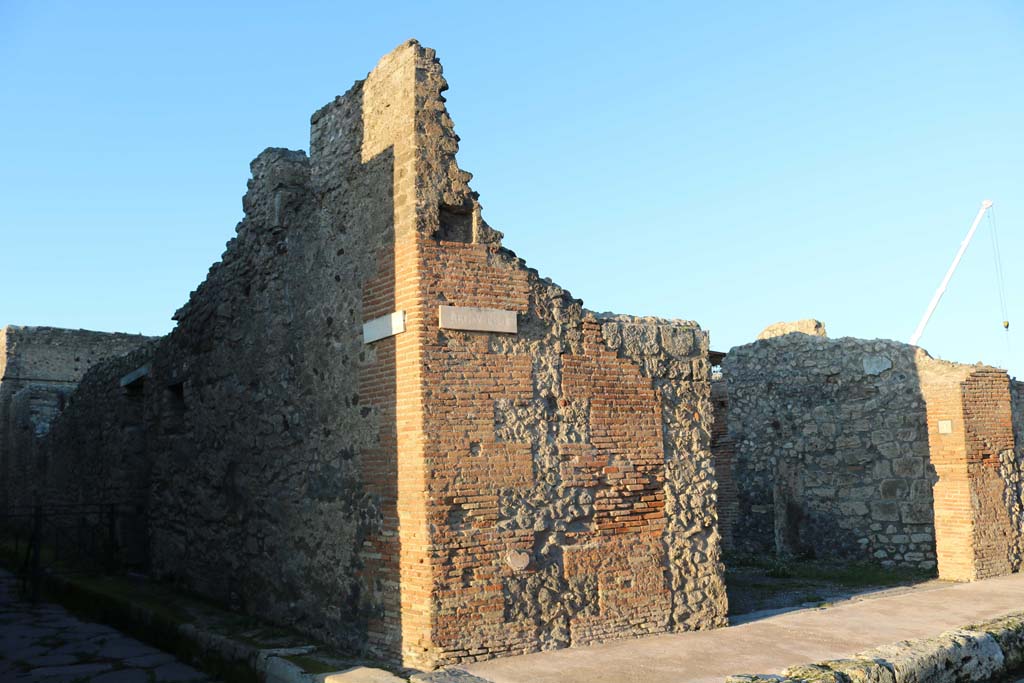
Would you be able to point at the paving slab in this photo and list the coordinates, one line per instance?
(43, 643)
(767, 645)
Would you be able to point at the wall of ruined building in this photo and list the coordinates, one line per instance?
(265, 495)
(865, 449)
(1012, 472)
(832, 454)
(95, 450)
(972, 451)
(570, 489)
(31, 411)
(433, 496)
(39, 366)
(94, 455)
(723, 452)
(989, 436)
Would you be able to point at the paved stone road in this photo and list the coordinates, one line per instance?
(45, 643)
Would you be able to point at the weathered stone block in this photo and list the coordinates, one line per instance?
(885, 511)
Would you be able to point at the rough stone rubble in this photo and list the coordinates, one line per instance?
(871, 450)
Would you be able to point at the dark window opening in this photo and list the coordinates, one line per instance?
(135, 389)
(455, 224)
(174, 413)
(134, 394)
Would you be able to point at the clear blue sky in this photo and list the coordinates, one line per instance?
(732, 163)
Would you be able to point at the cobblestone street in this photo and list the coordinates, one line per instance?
(45, 643)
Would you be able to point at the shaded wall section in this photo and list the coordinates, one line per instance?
(39, 367)
(723, 450)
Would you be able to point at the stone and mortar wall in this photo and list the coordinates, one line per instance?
(723, 450)
(1012, 472)
(865, 449)
(95, 450)
(39, 367)
(434, 496)
(832, 450)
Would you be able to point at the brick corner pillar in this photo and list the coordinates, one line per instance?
(969, 431)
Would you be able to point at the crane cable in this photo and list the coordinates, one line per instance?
(997, 256)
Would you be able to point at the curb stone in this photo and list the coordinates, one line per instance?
(447, 676)
(976, 653)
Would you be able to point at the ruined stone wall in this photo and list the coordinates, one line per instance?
(723, 450)
(426, 493)
(832, 450)
(872, 449)
(39, 366)
(95, 454)
(95, 450)
(1012, 472)
(269, 493)
(31, 410)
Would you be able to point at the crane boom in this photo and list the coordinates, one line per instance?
(985, 206)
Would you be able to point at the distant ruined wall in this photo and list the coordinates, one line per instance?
(425, 490)
(39, 367)
(871, 449)
(832, 450)
(95, 452)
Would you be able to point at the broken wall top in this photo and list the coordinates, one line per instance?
(396, 124)
(53, 354)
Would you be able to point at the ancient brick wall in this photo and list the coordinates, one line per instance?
(972, 451)
(39, 367)
(989, 437)
(567, 465)
(832, 450)
(327, 452)
(940, 385)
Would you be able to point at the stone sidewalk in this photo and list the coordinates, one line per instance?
(45, 643)
(771, 644)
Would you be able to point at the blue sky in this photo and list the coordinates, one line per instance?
(736, 164)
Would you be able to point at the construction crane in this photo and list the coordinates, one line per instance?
(985, 206)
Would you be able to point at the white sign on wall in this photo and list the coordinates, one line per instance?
(385, 326)
(477, 319)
